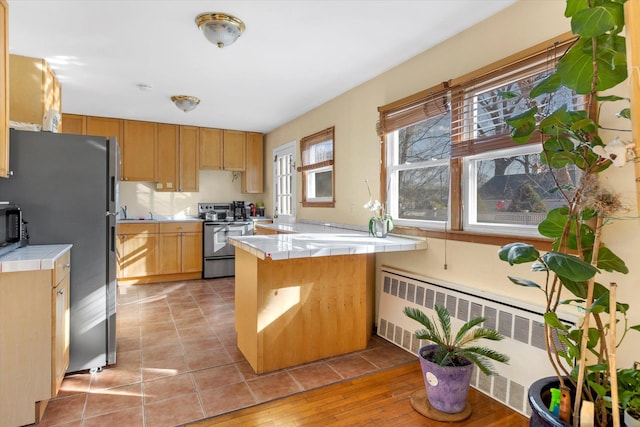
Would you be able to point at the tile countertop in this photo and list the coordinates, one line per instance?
(29, 258)
(329, 241)
(159, 218)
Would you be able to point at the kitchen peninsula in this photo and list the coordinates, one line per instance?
(307, 296)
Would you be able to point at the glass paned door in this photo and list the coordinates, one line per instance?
(284, 179)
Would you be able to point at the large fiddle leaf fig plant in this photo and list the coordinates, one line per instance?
(571, 139)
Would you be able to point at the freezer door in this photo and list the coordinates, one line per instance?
(112, 212)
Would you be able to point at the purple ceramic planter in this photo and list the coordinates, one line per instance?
(447, 386)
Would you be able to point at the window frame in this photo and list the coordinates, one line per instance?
(470, 190)
(309, 166)
(393, 170)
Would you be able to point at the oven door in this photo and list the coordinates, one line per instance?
(216, 239)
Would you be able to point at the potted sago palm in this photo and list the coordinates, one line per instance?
(447, 361)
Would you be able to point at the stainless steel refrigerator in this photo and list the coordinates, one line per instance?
(67, 188)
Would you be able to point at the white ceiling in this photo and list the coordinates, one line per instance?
(293, 56)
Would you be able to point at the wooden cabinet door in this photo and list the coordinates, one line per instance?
(104, 126)
(210, 148)
(234, 150)
(168, 154)
(169, 255)
(253, 176)
(74, 124)
(189, 154)
(139, 151)
(138, 255)
(191, 252)
(4, 89)
(60, 331)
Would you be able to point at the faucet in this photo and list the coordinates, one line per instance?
(124, 212)
(150, 215)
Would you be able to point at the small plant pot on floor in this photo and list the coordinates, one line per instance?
(539, 399)
(447, 386)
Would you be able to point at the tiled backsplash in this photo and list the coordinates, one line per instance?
(519, 322)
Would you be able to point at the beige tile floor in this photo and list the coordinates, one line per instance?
(178, 362)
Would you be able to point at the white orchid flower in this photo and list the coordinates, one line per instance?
(616, 151)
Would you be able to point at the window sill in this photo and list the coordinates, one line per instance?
(540, 243)
(318, 204)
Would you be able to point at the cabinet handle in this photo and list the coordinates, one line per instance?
(61, 291)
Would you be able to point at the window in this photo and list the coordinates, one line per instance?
(450, 159)
(317, 169)
(418, 160)
(284, 182)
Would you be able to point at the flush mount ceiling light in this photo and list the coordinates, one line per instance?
(185, 103)
(219, 28)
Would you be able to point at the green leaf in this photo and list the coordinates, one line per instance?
(625, 113)
(508, 94)
(610, 98)
(574, 6)
(524, 282)
(523, 125)
(635, 328)
(584, 125)
(549, 84)
(556, 122)
(558, 152)
(595, 21)
(569, 266)
(518, 253)
(576, 66)
(553, 225)
(609, 261)
(551, 319)
(578, 289)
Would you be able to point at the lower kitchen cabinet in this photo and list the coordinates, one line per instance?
(157, 252)
(137, 250)
(34, 345)
(180, 247)
(60, 318)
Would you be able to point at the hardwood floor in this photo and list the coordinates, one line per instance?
(381, 399)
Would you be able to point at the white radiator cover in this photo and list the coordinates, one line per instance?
(520, 323)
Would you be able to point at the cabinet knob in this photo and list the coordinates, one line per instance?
(61, 291)
(66, 266)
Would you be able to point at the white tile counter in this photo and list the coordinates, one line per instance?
(330, 241)
(29, 258)
(159, 218)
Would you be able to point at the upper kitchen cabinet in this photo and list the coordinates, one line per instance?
(34, 89)
(210, 148)
(253, 177)
(139, 147)
(177, 158)
(222, 149)
(4, 89)
(189, 154)
(104, 126)
(74, 123)
(168, 157)
(233, 150)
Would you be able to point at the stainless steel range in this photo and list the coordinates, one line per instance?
(221, 221)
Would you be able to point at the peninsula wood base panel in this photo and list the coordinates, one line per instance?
(294, 311)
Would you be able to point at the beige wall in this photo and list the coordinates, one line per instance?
(354, 116)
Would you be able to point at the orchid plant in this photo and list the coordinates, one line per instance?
(378, 216)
